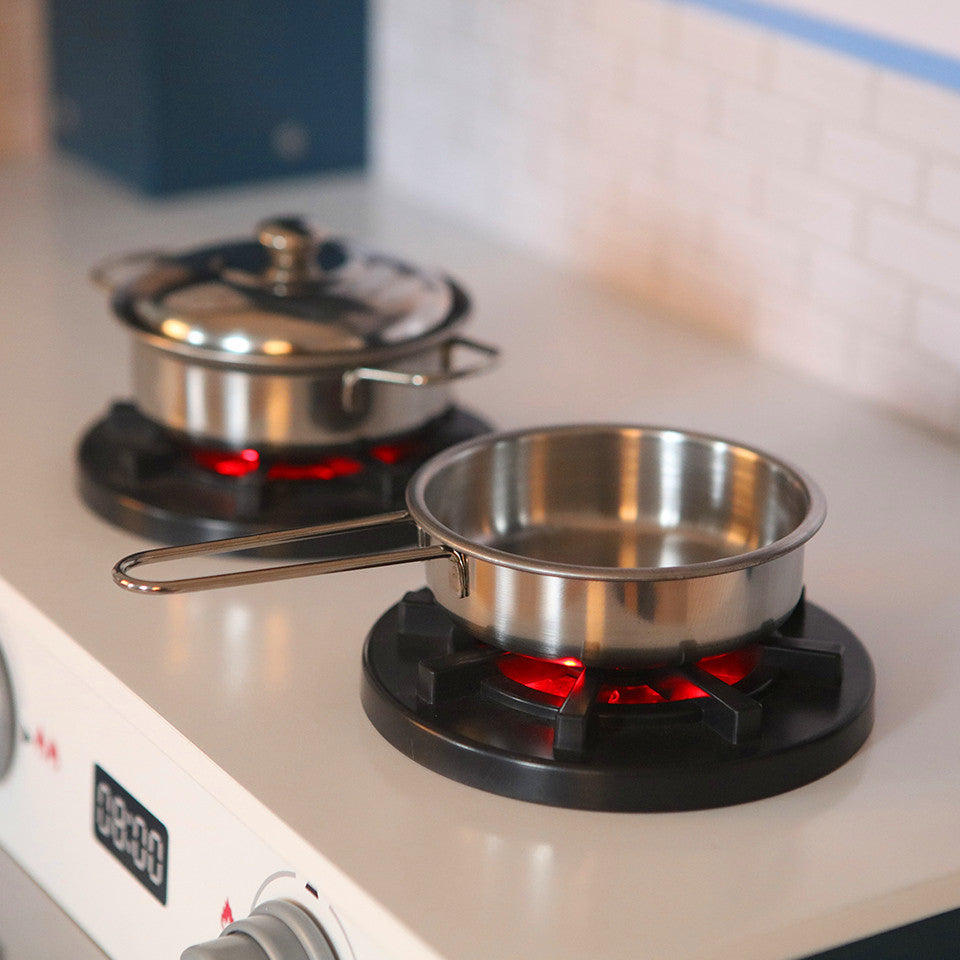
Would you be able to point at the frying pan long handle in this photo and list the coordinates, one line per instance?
(289, 571)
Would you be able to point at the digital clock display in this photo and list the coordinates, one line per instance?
(131, 833)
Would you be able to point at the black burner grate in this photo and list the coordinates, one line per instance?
(140, 476)
(802, 709)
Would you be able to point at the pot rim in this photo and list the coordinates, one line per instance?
(424, 518)
(458, 315)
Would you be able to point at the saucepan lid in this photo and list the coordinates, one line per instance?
(289, 296)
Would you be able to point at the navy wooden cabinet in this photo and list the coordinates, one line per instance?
(169, 95)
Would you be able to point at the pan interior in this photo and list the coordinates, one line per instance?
(615, 498)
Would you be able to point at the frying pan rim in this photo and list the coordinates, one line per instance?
(424, 518)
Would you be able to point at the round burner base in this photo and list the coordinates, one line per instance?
(437, 695)
(138, 476)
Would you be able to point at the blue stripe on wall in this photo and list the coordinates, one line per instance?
(904, 57)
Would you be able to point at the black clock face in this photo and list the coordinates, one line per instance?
(131, 833)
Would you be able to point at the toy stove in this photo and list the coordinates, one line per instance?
(151, 846)
(177, 765)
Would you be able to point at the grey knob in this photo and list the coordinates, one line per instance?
(235, 947)
(276, 930)
(8, 719)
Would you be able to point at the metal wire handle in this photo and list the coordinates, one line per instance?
(487, 358)
(289, 571)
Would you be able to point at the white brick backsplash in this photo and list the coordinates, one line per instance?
(583, 175)
(638, 23)
(585, 63)
(429, 115)
(942, 201)
(461, 182)
(796, 199)
(800, 335)
(703, 290)
(870, 164)
(676, 89)
(923, 388)
(538, 219)
(836, 85)
(926, 254)
(766, 124)
(397, 53)
(669, 213)
(439, 16)
(630, 142)
(759, 251)
(938, 328)
(504, 140)
(466, 65)
(502, 137)
(723, 44)
(722, 168)
(810, 205)
(851, 288)
(918, 112)
(538, 98)
(618, 249)
(514, 27)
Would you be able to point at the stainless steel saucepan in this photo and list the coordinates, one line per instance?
(617, 545)
(292, 339)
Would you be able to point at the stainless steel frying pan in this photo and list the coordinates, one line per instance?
(617, 545)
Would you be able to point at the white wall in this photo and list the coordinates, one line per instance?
(802, 201)
(934, 25)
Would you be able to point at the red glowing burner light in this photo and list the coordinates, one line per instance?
(557, 677)
(239, 464)
(391, 453)
(327, 469)
(233, 464)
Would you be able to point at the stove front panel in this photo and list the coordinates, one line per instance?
(132, 830)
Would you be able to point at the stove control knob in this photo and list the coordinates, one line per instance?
(276, 930)
(8, 720)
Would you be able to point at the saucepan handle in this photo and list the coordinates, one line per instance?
(483, 356)
(289, 571)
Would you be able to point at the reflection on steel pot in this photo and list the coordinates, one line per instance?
(291, 339)
(617, 545)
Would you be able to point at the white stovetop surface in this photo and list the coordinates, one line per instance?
(265, 679)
